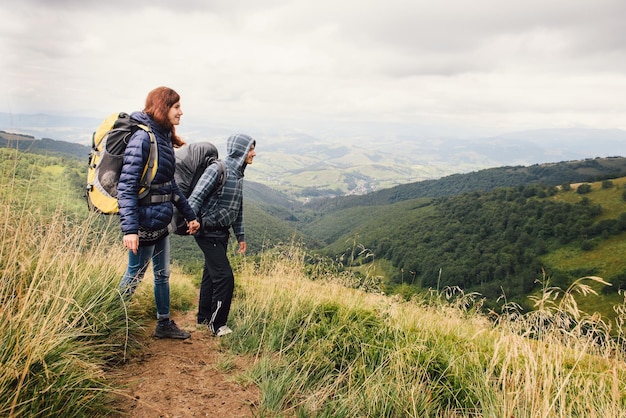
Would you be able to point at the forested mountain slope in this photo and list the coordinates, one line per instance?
(492, 242)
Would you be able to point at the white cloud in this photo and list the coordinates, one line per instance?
(483, 65)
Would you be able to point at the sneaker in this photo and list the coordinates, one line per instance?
(221, 331)
(170, 330)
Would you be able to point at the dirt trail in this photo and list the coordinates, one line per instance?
(174, 378)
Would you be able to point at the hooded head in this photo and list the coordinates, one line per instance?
(237, 147)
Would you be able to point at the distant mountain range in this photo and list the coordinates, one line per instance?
(43, 146)
(305, 167)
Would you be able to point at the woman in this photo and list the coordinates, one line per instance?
(145, 226)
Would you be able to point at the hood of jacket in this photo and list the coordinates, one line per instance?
(237, 147)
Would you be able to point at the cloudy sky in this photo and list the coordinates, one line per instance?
(480, 66)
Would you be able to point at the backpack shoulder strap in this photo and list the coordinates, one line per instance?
(221, 175)
(150, 169)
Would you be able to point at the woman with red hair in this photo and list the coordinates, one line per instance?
(145, 221)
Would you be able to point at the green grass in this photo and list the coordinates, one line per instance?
(323, 341)
(323, 350)
(609, 198)
(62, 319)
(606, 258)
(377, 268)
(55, 170)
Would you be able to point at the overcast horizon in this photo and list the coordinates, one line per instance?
(325, 68)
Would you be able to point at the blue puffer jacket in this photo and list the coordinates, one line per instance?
(158, 215)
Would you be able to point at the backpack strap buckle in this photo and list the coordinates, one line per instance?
(155, 198)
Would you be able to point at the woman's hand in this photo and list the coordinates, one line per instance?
(193, 227)
(131, 241)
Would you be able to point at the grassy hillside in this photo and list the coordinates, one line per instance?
(320, 341)
(62, 320)
(61, 180)
(44, 146)
(59, 320)
(324, 350)
(47, 182)
(266, 196)
(479, 241)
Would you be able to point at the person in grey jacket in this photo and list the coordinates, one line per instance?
(145, 224)
(218, 213)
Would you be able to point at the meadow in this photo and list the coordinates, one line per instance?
(323, 342)
(323, 347)
(61, 321)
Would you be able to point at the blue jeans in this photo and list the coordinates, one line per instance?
(138, 263)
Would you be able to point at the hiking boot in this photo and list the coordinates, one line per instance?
(169, 329)
(221, 331)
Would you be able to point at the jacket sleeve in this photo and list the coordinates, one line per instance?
(135, 157)
(203, 188)
(238, 225)
(181, 203)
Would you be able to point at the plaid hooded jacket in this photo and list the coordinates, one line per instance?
(225, 209)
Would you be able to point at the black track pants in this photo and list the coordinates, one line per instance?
(218, 282)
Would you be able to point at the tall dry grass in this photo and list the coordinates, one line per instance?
(62, 320)
(321, 349)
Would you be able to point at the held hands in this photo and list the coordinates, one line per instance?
(131, 241)
(193, 227)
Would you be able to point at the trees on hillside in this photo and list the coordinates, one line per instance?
(490, 242)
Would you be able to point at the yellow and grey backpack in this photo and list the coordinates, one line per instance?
(109, 142)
